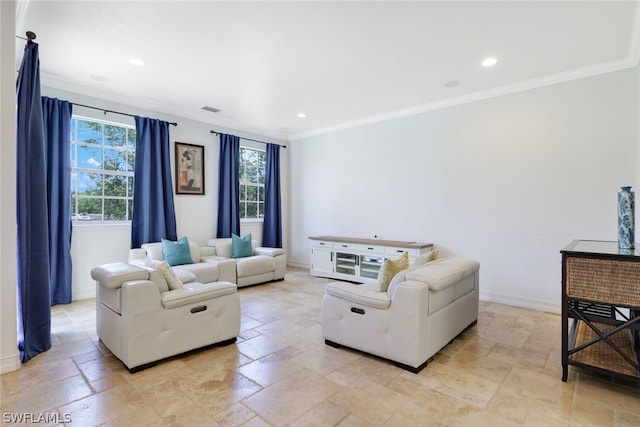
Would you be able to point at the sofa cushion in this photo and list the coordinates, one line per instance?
(465, 266)
(185, 276)
(177, 253)
(390, 268)
(222, 245)
(195, 292)
(360, 294)
(169, 275)
(114, 274)
(241, 246)
(258, 264)
(194, 251)
(213, 259)
(153, 250)
(204, 272)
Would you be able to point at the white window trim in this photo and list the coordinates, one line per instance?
(253, 146)
(99, 223)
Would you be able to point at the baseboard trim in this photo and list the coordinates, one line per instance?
(85, 294)
(298, 264)
(548, 306)
(10, 363)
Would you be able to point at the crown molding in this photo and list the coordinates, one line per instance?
(629, 62)
(160, 108)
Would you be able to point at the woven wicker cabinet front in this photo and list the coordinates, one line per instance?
(607, 281)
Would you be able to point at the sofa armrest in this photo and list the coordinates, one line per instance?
(268, 251)
(360, 294)
(115, 274)
(406, 294)
(140, 297)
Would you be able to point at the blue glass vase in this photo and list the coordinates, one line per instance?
(626, 220)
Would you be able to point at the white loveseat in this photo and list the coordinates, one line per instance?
(424, 309)
(141, 321)
(265, 265)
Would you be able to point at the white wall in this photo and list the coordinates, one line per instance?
(196, 216)
(508, 181)
(9, 355)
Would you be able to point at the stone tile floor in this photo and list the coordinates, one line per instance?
(503, 372)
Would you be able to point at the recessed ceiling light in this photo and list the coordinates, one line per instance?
(489, 62)
(210, 109)
(302, 115)
(137, 62)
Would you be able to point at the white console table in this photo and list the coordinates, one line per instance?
(355, 259)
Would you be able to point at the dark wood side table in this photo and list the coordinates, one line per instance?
(601, 308)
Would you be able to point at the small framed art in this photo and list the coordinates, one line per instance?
(189, 168)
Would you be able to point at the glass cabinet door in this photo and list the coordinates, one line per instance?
(370, 266)
(346, 263)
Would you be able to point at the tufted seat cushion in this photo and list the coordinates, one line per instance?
(194, 292)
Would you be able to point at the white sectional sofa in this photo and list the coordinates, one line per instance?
(206, 266)
(265, 265)
(141, 321)
(424, 309)
(214, 262)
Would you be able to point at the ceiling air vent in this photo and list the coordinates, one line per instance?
(211, 109)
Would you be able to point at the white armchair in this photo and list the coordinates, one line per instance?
(424, 309)
(141, 321)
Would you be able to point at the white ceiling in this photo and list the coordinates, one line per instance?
(341, 63)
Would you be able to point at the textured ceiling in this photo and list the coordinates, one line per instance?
(341, 63)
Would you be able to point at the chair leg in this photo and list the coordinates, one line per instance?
(411, 368)
(332, 344)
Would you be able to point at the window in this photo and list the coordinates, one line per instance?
(102, 167)
(252, 165)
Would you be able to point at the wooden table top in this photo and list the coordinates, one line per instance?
(382, 242)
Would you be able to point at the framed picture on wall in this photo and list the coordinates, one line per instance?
(189, 168)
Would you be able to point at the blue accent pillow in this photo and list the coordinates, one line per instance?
(176, 253)
(241, 246)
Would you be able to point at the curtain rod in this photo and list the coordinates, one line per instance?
(31, 36)
(115, 112)
(249, 139)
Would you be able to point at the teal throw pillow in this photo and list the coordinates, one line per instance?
(241, 246)
(176, 253)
